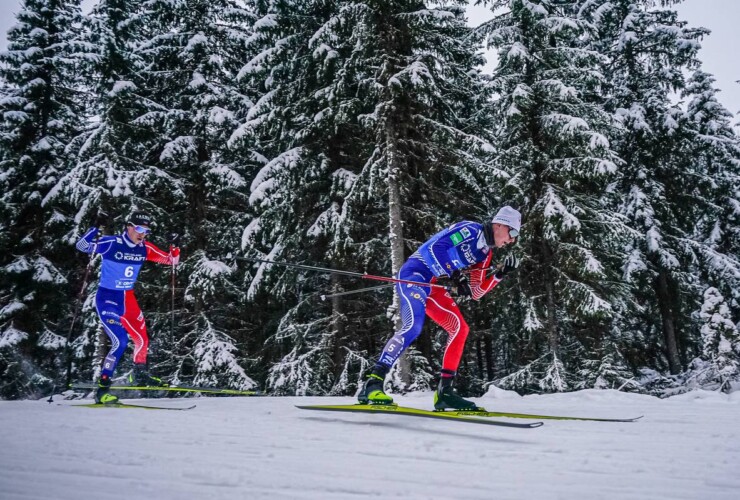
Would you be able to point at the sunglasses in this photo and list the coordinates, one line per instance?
(513, 233)
(142, 229)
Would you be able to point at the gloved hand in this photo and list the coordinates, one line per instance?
(175, 255)
(461, 286)
(101, 219)
(511, 263)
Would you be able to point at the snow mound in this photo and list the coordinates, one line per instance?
(494, 392)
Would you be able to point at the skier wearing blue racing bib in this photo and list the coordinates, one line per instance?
(463, 246)
(123, 255)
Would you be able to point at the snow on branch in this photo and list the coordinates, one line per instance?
(556, 214)
(325, 221)
(11, 337)
(417, 73)
(265, 179)
(256, 283)
(569, 124)
(179, 149)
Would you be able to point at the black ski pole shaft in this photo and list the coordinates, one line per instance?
(352, 292)
(344, 273)
(304, 267)
(496, 267)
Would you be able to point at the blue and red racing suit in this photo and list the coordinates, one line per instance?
(115, 300)
(462, 245)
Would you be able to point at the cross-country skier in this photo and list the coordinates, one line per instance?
(461, 246)
(123, 255)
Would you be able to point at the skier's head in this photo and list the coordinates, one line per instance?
(138, 226)
(505, 227)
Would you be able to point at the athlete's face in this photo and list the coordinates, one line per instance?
(134, 235)
(502, 235)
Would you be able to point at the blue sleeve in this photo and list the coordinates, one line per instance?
(89, 244)
(85, 244)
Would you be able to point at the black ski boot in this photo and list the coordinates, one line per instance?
(141, 377)
(372, 390)
(102, 394)
(446, 397)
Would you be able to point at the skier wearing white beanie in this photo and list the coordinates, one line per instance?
(466, 253)
(509, 217)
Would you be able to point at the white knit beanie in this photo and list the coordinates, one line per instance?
(508, 216)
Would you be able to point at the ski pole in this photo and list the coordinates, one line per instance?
(68, 347)
(345, 273)
(352, 292)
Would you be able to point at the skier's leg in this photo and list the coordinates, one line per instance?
(109, 305)
(133, 320)
(412, 305)
(443, 310)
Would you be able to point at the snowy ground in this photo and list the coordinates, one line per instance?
(686, 447)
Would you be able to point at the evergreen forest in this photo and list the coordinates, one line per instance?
(343, 134)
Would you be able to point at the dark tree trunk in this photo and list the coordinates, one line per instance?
(488, 350)
(662, 290)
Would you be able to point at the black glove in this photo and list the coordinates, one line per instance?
(173, 239)
(101, 219)
(511, 263)
(461, 286)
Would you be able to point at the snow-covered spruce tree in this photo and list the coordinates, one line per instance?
(429, 114)
(41, 113)
(390, 119)
(553, 133)
(713, 153)
(304, 121)
(107, 167)
(111, 168)
(190, 58)
(666, 191)
(719, 364)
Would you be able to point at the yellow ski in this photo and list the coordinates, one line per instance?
(415, 412)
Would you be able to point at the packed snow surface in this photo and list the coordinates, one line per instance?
(685, 447)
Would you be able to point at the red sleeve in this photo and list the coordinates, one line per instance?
(479, 284)
(155, 254)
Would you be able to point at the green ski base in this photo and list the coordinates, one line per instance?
(126, 405)
(172, 388)
(394, 409)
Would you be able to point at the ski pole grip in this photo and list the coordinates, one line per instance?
(100, 219)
